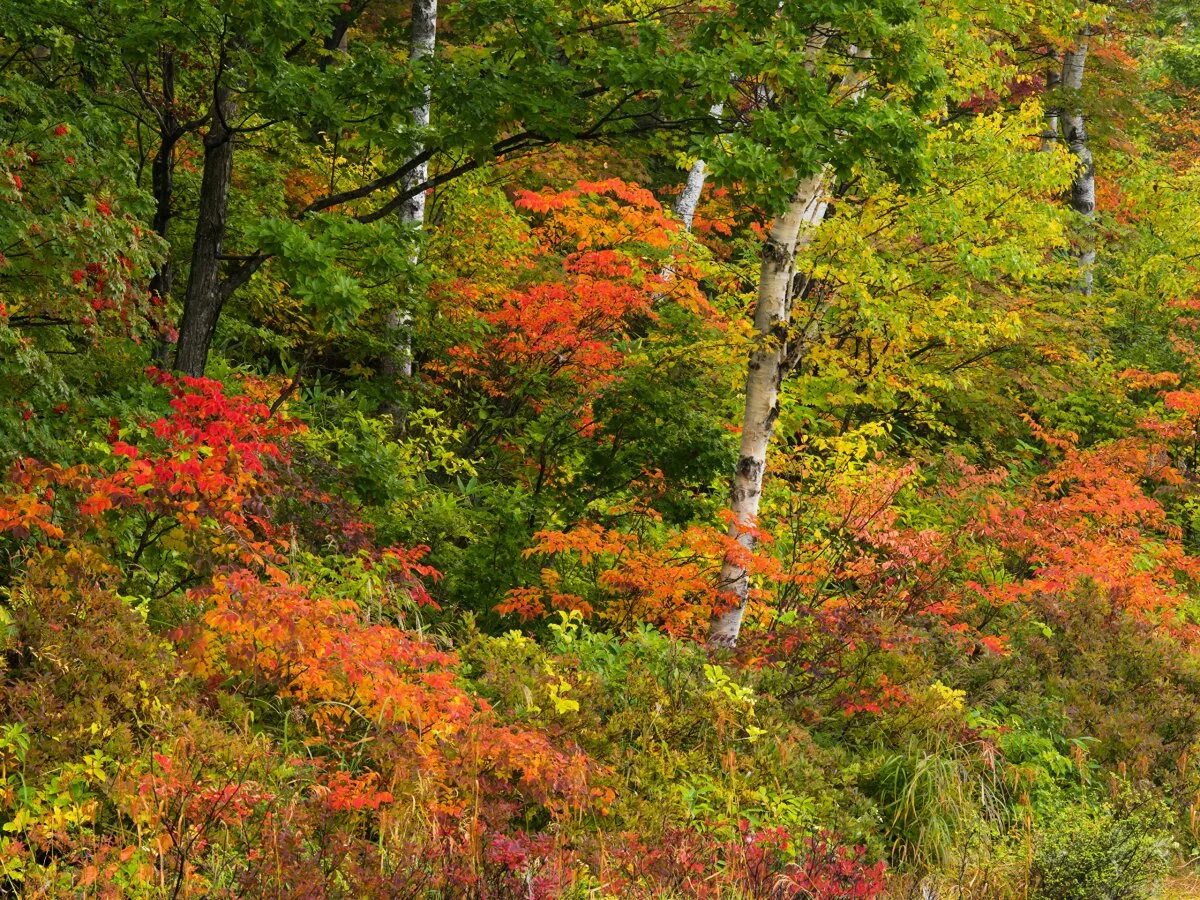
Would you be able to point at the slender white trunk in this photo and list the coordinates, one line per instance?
(422, 43)
(778, 347)
(685, 205)
(1083, 188)
(767, 366)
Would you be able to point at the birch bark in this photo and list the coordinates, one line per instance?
(1083, 188)
(771, 357)
(767, 366)
(422, 43)
(685, 205)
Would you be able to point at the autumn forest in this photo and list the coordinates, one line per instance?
(601, 449)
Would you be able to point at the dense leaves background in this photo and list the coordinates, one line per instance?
(280, 618)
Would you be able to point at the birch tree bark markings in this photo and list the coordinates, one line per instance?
(1083, 187)
(423, 43)
(776, 350)
(689, 199)
(765, 371)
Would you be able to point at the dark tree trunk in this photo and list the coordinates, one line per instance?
(205, 292)
(162, 174)
(1050, 136)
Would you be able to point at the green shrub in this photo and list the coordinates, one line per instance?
(1119, 850)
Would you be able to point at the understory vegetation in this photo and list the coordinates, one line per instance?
(599, 450)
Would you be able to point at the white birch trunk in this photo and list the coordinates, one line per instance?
(422, 43)
(767, 366)
(685, 205)
(1083, 188)
(770, 359)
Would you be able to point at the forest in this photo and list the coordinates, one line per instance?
(615, 449)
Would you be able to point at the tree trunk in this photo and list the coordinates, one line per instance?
(1050, 135)
(423, 42)
(422, 45)
(162, 174)
(162, 180)
(1083, 188)
(771, 358)
(685, 205)
(205, 295)
(768, 362)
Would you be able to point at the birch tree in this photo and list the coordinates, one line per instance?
(780, 343)
(765, 372)
(778, 347)
(423, 43)
(1083, 188)
(542, 86)
(339, 127)
(689, 199)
